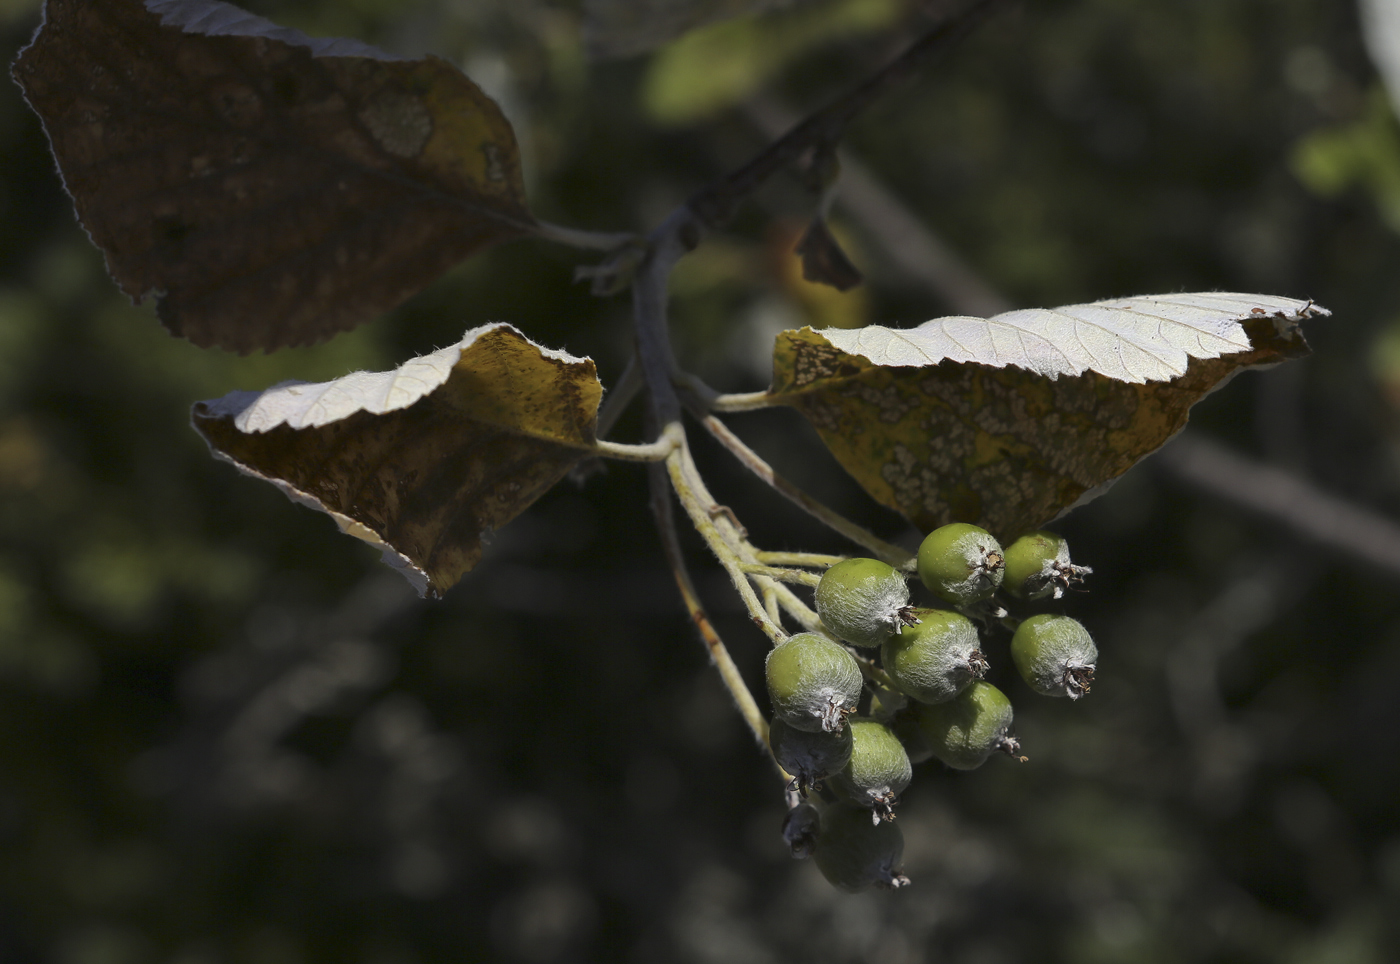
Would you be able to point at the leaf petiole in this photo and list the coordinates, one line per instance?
(579, 238)
(811, 560)
(670, 440)
(885, 551)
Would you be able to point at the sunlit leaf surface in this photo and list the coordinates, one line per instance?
(1009, 421)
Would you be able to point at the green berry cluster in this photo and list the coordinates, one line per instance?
(920, 674)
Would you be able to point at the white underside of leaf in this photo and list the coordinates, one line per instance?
(1141, 339)
(213, 18)
(313, 404)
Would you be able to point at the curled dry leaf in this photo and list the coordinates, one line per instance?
(823, 260)
(1007, 422)
(269, 189)
(422, 460)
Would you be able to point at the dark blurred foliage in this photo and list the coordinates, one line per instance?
(229, 736)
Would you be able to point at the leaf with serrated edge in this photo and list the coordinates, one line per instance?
(269, 189)
(1010, 421)
(423, 460)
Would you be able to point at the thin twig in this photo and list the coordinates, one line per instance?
(812, 560)
(805, 615)
(719, 653)
(770, 603)
(578, 238)
(669, 243)
(886, 551)
(1359, 534)
(617, 400)
(714, 203)
(795, 576)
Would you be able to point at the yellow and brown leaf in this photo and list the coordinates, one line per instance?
(996, 444)
(423, 460)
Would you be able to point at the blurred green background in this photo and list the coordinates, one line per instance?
(229, 736)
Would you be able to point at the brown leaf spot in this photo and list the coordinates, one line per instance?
(399, 122)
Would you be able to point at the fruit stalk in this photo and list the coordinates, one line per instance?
(682, 470)
(719, 653)
(882, 550)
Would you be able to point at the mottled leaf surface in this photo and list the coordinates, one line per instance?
(422, 460)
(1007, 422)
(269, 189)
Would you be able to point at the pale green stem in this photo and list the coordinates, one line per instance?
(743, 402)
(729, 673)
(770, 603)
(796, 608)
(670, 440)
(888, 552)
(578, 238)
(795, 576)
(677, 464)
(812, 560)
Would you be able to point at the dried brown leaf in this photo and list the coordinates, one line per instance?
(423, 460)
(270, 190)
(823, 260)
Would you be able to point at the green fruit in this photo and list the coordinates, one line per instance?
(813, 683)
(1055, 655)
(809, 756)
(967, 729)
(935, 660)
(800, 829)
(1038, 565)
(863, 601)
(853, 853)
(961, 563)
(877, 772)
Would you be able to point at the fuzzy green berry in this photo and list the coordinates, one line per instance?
(863, 601)
(967, 729)
(809, 756)
(961, 563)
(935, 660)
(854, 854)
(1055, 655)
(878, 770)
(813, 683)
(800, 829)
(1037, 565)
